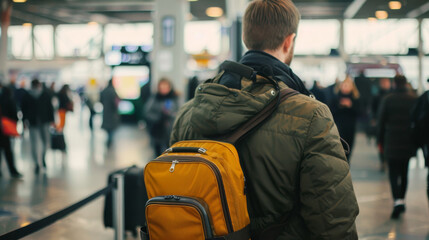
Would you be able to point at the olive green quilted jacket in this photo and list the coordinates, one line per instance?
(294, 163)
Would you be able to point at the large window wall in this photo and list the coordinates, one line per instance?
(139, 34)
(203, 35)
(79, 40)
(20, 46)
(44, 42)
(317, 37)
(390, 39)
(394, 36)
(425, 33)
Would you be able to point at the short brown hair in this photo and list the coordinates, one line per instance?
(266, 23)
(400, 80)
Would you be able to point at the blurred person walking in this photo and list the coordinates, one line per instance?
(318, 92)
(345, 110)
(111, 119)
(394, 137)
(38, 116)
(20, 93)
(65, 104)
(161, 111)
(7, 110)
(91, 96)
(385, 87)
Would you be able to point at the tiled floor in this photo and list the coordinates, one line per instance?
(85, 168)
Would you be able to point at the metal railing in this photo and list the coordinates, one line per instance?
(116, 187)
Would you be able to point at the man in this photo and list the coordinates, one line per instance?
(394, 136)
(294, 163)
(38, 115)
(384, 89)
(111, 119)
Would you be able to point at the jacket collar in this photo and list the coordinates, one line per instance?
(268, 65)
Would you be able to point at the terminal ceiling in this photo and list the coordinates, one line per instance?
(128, 11)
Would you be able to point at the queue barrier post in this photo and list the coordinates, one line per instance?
(118, 206)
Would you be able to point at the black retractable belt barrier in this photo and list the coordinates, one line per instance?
(42, 223)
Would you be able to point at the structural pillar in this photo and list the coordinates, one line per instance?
(341, 47)
(420, 82)
(168, 56)
(54, 41)
(235, 12)
(33, 43)
(6, 9)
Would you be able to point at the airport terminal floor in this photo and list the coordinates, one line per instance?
(85, 169)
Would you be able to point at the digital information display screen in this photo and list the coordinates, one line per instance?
(128, 80)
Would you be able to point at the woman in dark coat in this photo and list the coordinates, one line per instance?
(394, 137)
(111, 119)
(345, 111)
(8, 109)
(161, 111)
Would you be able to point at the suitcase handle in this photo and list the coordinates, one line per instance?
(186, 150)
(144, 235)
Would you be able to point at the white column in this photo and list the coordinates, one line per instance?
(420, 86)
(54, 42)
(235, 11)
(33, 43)
(6, 9)
(236, 8)
(341, 47)
(168, 56)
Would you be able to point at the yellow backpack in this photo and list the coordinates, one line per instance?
(196, 188)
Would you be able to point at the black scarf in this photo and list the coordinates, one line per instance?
(268, 65)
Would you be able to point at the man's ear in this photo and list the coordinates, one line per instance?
(288, 42)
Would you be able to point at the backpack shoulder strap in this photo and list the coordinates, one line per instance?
(256, 120)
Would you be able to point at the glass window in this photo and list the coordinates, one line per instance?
(20, 42)
(410, 66)
(324, 70)
(317, 37)
(44, 41)
(425, 32)
(393, 36)
(203, 35)
(78, 40)
(140, 34)
(426, 73)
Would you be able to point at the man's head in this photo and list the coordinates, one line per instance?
(400, 81)
(271, 25)
(35, 83)
(385, 84)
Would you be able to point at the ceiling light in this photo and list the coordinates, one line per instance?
(92, 23)
(214, 12)
(27, 24)
(19, 1)
(372, 19)
(395, 5)
(381, 14)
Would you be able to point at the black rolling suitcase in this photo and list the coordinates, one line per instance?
(134, 200)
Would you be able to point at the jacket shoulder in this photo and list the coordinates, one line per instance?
(303, 106)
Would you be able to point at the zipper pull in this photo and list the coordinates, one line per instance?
(173, 165)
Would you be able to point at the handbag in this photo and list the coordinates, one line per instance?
(57, 141)
(9, 127)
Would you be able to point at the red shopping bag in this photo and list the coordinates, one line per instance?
(9, 127)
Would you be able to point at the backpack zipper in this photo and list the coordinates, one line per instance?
(177, 159)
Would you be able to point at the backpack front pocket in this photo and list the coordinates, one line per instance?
(178, 217)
